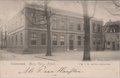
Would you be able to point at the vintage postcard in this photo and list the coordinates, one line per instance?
(59, 38)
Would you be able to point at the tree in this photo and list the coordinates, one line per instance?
(87, 19)
(115, 11)
(47, 14)
(86, 55)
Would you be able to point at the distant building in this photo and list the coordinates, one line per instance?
(27, 32)
(112, 35)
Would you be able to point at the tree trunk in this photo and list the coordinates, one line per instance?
(86, 55)
(48, 53)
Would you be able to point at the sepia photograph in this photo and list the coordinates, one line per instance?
(59, 38)
(59, 30)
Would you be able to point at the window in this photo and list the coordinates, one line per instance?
(79, 40)
(33, 38)
(94, 43)
(62, 24)
(62, 40)
(21, 38)
(54, 39)
(71, 25)
(16, 39)
(108, 43)
(54, 23)
(93, 27)
(43, 39)
(9, 40)
(79, 27)
(98, 43)
(12, 39)
(99, 28)
(33, 17)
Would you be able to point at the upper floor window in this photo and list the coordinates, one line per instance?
(99, 29)
(71, 25)
(78, 27)
(54, 39)
(62, 24)
(33, 38)
(36, 17)
(62, 40)
(54, 22)
(43, 39)
(54, 25)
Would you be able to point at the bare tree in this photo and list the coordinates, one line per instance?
(116, 3)
(47, 14)
(87, 19)
(116, 9)
(86, 55)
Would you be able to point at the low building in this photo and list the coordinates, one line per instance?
(112, 35)
(27, 32)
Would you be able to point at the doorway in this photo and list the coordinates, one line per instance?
(71, 42)
(113, 45)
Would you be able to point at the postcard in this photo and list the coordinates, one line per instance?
(59, 38)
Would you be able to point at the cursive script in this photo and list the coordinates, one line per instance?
(47, 69)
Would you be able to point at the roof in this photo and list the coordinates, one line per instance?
(57, 11)
(54, 10)
(112, 23)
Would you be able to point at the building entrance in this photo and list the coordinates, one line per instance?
(113, 45)
(71, 44)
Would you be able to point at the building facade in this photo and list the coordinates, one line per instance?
(112, 35)
(27, 31)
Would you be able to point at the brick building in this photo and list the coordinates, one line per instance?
(27, 31)
(112, 35)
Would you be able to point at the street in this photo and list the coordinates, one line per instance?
(61, 56)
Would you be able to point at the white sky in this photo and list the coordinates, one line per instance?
(8, 8)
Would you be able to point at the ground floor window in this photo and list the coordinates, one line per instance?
(21, 38)
(33, 38)
(54, 39)
(79, 40)
(108, 45)
(12, 39)
(62, 40)
(16, 39)
(43, 39)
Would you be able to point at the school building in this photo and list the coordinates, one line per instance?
(28, 33)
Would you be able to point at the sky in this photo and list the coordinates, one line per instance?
(8, 8)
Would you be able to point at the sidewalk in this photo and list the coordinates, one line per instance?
(61, 56)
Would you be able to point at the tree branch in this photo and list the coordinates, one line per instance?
(94, 10)
(111, 12)
(115, 3)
